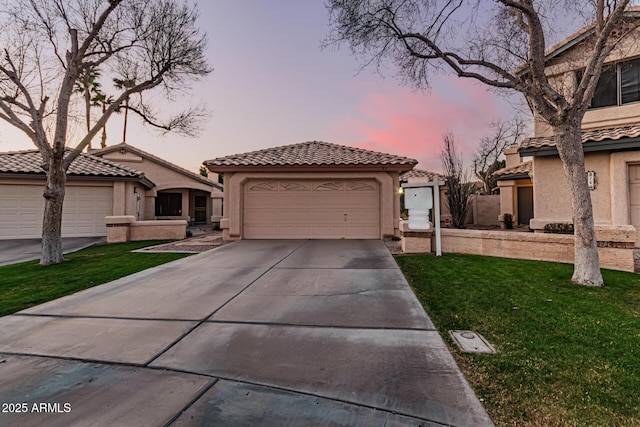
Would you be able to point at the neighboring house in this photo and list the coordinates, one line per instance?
(119, 180)
(178, 193)
(95, 188)
(516, 187)
(311, 190)
(610, 136)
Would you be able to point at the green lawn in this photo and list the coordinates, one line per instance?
(27, 284)
(567, 354)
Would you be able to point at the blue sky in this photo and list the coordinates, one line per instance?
(273, 85)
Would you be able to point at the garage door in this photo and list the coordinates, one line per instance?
(634, 198)
(83, 214)
(312, 209)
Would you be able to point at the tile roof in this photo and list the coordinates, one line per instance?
(518, 171)
(312, 153)
(419, 173)
(142, 153)
(29, 161)
(595, 135)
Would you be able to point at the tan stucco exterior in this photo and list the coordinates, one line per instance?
(232, 221)
(610, 198)
(140, 203)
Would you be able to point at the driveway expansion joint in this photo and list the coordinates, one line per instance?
(305, 325)
(203, 320)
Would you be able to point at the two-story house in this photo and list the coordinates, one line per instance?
(611, 141)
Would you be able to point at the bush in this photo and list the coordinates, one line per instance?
(559, 228)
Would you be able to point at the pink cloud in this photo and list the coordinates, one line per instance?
(412, 124)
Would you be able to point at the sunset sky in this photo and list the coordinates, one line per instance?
(273, 85)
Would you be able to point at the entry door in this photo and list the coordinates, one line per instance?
(525, 205)
(634, 199)
(200, 209)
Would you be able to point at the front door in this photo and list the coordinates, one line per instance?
(525, 205)
(200, 209)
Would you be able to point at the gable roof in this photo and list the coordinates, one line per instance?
(576, 38)
(624, 137)
(419, 173)
(312, 155)
(29, 162)
(130, 148)
(519, 171)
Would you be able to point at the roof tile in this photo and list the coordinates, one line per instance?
(524, 168)
(419, 173)
(312, 153)
(29, 162)
(595, 135)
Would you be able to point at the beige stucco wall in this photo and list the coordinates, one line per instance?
(231, 222)
(542, 247)
(125, 228)
(166, 179)
(551, 193)
(561, 69)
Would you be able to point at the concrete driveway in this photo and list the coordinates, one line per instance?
(269, 333)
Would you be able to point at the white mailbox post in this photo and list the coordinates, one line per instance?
(419, 199)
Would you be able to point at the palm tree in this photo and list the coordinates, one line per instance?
(102, 100)
(89, 86)
(124, 84)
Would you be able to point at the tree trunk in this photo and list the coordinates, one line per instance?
(52, 222)
(587, 264)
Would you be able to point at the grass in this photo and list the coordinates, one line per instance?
(567, 354)
(27, 284)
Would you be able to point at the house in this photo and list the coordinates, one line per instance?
(311, 190)
(178, 193)
(516, 187)
(610, 137)
(98, 187)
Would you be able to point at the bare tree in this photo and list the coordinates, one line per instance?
(501, 44)
(49, 45)
(487, 159)
(457, 181)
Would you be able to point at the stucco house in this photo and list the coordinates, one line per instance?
(610, 136)
(311, 190)
(177, 194)
(98, 187)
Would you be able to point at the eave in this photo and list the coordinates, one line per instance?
(627, 144)
(311, 168)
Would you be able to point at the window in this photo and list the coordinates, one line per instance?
(606, 93)
(630, 81)
(169, 204)
(618, 84)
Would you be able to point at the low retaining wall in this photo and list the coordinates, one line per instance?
(615, 244)
(125, 228)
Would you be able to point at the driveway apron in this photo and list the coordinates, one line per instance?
(263, 332)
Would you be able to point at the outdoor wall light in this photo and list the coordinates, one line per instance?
(591, 180)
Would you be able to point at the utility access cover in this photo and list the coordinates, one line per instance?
(471, 342)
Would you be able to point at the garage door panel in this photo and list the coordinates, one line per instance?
(83, 213)
(311, 209)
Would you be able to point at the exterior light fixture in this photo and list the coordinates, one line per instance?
(591, 180)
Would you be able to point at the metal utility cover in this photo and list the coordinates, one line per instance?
(471, 342)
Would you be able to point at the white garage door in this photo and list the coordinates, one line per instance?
(634, 198)
(22, 207)
(302, 209)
